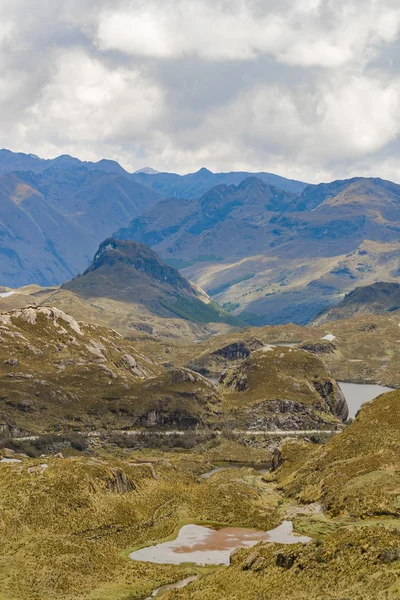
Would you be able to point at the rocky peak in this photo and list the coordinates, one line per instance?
(139, 257)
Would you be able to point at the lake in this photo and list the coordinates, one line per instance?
(357, 394)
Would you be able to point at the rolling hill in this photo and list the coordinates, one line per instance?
(371, 299)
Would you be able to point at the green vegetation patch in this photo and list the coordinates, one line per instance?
(192, 309)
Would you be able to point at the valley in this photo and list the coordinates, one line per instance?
(205, 404)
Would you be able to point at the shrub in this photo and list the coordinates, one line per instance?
(45, 444)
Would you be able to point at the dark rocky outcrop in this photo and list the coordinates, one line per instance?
(119, 483)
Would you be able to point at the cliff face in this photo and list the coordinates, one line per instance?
(113, 253)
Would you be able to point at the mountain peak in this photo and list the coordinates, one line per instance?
(148, 171)
(129, 271)
(204, 171)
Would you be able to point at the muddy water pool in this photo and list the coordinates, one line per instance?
(208, 546)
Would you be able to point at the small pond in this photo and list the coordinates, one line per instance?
(207, 546)
(357, 394)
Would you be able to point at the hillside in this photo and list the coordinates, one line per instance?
(282, 388)
(276, 257)
(52, 222)
(56, 373)
(131, 272)
(354, 477)
(355, 474)
(372, 299)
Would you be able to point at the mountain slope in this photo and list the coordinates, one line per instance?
(355, 473)
(51, 223)
(373, 299)
(282, 388)
(274, 256)
(131, 272)
(222, 222)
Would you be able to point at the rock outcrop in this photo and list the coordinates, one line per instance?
(283, 388)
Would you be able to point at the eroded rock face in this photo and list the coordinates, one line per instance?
(223, 358)
(334, 398)
(238, 350)
(323, 347)
(54, 371)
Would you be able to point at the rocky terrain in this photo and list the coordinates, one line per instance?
(58, 374)
(133, 405)
(282, 388)
(363, 349)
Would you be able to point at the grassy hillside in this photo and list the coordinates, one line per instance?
(356, 473)
(66, 530)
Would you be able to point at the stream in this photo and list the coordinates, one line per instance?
(172, 586)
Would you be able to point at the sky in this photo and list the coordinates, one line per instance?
(308, 89)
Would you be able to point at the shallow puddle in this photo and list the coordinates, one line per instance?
(207, 546)
(262, 468)
(357, 394)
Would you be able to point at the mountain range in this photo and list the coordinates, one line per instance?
(273, 256)
(267, 249)
(55, 213)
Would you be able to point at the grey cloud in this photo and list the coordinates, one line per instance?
(305, 88)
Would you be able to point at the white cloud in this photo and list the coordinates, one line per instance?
(297, 34)
(306, 88)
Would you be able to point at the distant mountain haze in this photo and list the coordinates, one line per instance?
(194, 185)
(274, 256)
(52, 222)
(55, 212)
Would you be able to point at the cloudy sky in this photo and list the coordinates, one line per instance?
(309, 89)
